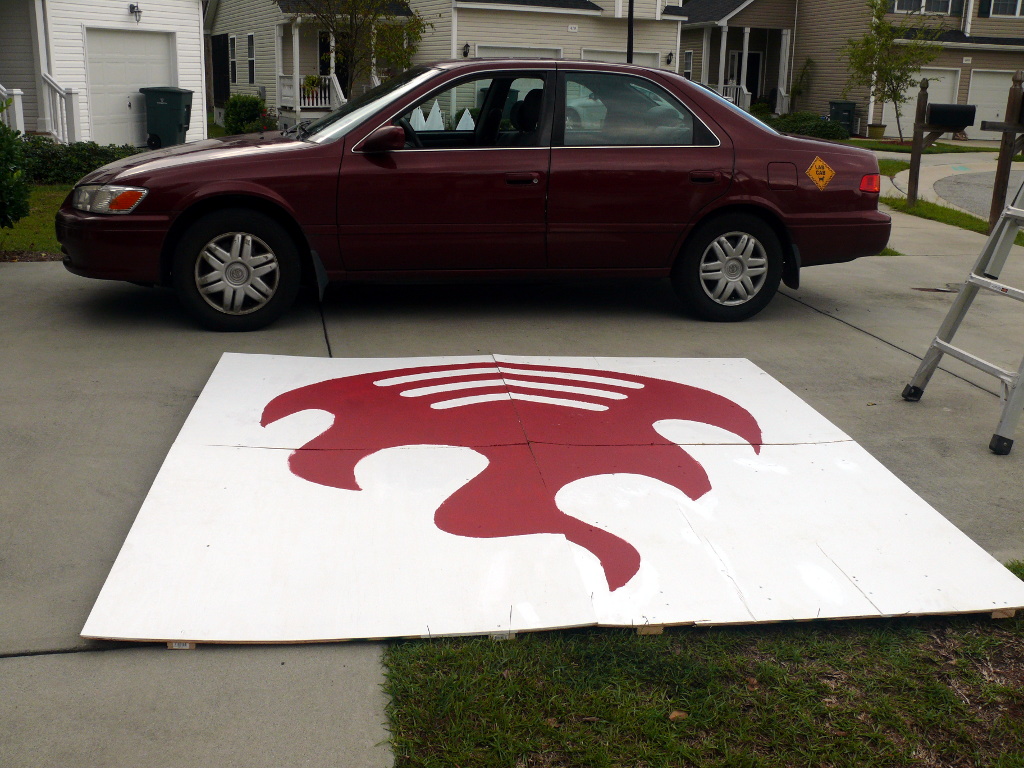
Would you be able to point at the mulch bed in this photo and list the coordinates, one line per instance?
(29, 256)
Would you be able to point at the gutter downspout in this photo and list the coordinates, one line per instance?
(296, 77)
(455, 28)
(968, 15)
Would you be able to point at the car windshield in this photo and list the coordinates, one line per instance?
(355, 110)
(737, 110)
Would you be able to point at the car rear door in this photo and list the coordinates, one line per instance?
(469, 189)
(631, 165)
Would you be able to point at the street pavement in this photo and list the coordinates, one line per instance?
(98, 378)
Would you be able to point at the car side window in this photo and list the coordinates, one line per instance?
(606, 109)
(483, 112)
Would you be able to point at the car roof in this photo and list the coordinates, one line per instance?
(470, 65)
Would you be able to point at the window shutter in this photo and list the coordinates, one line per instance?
(984, 9)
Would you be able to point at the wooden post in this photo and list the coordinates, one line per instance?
(917, 147)
(1006, 148)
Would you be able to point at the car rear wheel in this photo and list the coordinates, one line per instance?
(236, 270)
(730, 269)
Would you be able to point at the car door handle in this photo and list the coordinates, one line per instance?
(522, 178)
(703, 177)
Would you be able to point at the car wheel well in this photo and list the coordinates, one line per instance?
(790, 263)
(222, 202)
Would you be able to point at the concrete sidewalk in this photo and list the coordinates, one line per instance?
(98, 378)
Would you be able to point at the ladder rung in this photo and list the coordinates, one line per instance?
(1014, 213)
(1009, 377)
(996, 287)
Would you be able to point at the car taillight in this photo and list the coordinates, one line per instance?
(872, 182)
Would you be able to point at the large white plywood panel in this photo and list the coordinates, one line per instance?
(318, 499)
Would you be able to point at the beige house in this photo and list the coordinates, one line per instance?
(268, 48)
(785, 53)
(762, 49)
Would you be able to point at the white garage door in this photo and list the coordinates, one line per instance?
(515, 52)
(942, 86)
(643, 58)
(121, 62)
(988, 92)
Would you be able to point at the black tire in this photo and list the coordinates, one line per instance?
(153, 142)
(236, 270)
(729, 269)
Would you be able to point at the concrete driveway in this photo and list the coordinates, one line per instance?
(98, 378)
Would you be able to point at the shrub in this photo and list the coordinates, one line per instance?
(761, 110)
(14, 190)
(247, 114)
(47, 162)
(808, 124)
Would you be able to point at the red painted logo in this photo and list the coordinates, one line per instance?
(540, 427)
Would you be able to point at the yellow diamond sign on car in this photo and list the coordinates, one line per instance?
(820, 172)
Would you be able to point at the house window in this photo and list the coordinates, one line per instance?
(251, 55)
(687, 68)
(917, 6)
(232, 61)
(1006, 7)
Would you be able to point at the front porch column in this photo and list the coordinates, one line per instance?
(705, 57)
(278, 63)
(296, 77)
(44, 117)
(721, 57)
(334, 44)
(784, 61)
(743, 62)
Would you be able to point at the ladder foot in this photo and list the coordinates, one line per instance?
(1000, 445)
(912, 394)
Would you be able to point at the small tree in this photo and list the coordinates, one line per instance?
(888, 57)
(368, 32)
(14, 189)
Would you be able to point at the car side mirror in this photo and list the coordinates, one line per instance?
(387, 138)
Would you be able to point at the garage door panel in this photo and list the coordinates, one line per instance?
(988, 92)
(120, 63)
(942, 87)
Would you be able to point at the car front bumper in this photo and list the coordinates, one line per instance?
(112, 247)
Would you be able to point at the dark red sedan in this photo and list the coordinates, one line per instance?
(484, 168)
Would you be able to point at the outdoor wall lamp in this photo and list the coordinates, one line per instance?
(465, 51)
(135, 11)
(668, 59)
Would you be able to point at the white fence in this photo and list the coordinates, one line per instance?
(14, 116)
(323, 96)
(65, 112)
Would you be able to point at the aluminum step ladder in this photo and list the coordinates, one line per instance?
(984, 276)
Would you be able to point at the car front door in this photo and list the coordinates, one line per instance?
(631, 167)
(468, 190)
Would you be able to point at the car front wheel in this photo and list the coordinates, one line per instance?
(236, 270)
(730, 269)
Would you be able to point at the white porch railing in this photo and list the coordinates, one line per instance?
(737, 94)
(65, 112)
(14, 116)
(325, 96)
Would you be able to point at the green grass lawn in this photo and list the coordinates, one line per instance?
(871, 693)
(892, 167)
(952, 216)
(35, 231)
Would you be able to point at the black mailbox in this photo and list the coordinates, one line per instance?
(952, 117)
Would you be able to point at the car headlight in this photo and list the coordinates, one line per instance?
(107, 198)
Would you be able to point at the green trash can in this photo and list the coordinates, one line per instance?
(844, 113)
(168, 112)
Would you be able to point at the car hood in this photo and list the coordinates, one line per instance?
(250, 146)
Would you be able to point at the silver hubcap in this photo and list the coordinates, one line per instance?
(733, 268)
(237, 273)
